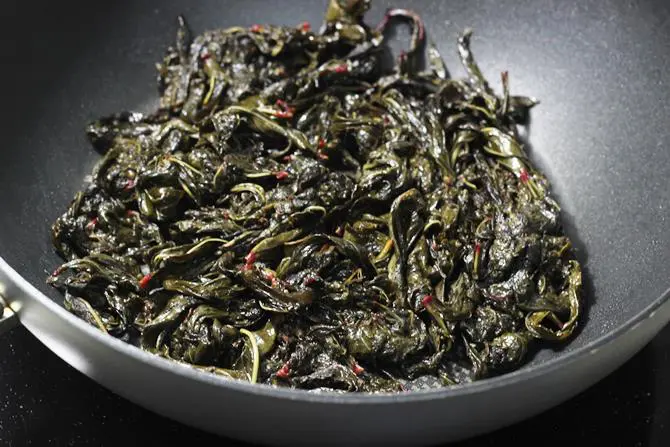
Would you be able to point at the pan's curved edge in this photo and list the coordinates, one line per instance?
(233, 408)
(20, 293)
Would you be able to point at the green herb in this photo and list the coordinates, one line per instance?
(296, 214)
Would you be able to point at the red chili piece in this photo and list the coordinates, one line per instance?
(144, 282)
(306, 27)
(282, 114)
(250, 258)
(284, 371)
(523, 175)
(358, 369)
(281, 175)
(427, 300)
(256, 28)
(286, 110)
(92, 223)
(270, 276)
(309, 281)
(322, 143)
(342, 68)
(478, 248)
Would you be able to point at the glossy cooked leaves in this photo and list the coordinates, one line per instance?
(296, 213)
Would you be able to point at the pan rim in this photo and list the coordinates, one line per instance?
(346, 398)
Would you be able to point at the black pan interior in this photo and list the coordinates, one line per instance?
(601, 131)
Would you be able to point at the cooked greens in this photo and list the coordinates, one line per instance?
(295, 213)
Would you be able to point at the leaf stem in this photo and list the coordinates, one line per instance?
(256, 353)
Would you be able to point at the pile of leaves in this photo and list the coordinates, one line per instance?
(295, 213)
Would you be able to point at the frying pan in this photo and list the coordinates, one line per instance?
(600, 133)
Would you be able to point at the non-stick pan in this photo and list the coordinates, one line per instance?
(601, 132)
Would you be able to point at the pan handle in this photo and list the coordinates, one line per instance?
(8, 319)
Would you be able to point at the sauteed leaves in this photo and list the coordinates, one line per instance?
(294, 213)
